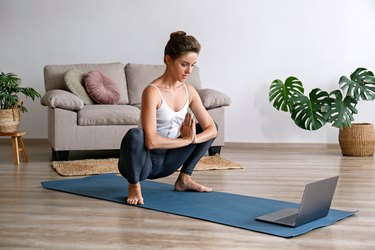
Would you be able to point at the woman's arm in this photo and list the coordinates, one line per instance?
(150, 102)
(203, 117)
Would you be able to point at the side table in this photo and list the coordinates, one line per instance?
(18, 146)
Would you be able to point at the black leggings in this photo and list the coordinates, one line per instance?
(137, 163)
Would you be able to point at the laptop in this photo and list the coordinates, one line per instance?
(315, 204)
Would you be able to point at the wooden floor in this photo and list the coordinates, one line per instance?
(33, 217)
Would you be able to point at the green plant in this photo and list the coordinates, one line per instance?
(320, 107)
(9, 90)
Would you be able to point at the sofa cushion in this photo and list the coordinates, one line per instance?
(138, 76)
(212, 98)
(93, 115)
(58, 98)
(74, 82)
(102, 88)
(54, 76)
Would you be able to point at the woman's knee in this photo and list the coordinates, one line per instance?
(133, 137)
(135, 133)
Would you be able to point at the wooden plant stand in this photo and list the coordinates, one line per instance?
(18, 146)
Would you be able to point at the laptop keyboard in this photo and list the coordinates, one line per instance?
(291, 219)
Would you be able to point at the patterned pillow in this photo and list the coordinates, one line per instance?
(74, 82)
(101, 88)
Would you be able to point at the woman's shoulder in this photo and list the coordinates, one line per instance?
(150, 96)
(150, 90)
(191, 89)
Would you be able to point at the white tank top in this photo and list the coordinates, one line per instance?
(168, 121)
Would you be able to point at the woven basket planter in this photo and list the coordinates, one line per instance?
(9, 120)
(358, 140)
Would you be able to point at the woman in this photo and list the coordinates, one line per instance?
(168, 137)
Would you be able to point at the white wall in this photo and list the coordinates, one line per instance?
(246, 45)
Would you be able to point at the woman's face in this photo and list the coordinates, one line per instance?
(182, 66)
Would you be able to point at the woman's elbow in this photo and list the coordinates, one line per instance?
(215, 133)
(215, 130)
(150, 144)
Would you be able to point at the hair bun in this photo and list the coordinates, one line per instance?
(178, 33)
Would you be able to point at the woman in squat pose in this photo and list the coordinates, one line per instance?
(168, 136)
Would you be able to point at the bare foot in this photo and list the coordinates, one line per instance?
(135, 194)
(185, 183)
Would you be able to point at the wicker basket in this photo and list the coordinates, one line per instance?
(358, 140)
(9, 120)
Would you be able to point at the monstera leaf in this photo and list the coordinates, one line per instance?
(281, 93)
(361, 84)
(341, 110)
(308, 113)
(314, 111)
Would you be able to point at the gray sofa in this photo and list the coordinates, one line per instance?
(76, 124)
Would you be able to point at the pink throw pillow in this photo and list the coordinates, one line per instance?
(101, 88)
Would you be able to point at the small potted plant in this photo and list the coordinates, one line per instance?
(10, 104)
(337, 107)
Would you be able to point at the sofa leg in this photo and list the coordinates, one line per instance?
(214, 150)
(62, 155)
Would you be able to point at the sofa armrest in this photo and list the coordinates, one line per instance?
(213, 99)
(63, 99)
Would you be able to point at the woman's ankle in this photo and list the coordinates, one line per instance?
(134, 186)
(183, 177)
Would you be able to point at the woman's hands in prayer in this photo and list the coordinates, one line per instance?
(187, 129)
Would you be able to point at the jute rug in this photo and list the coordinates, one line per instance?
(102, 166)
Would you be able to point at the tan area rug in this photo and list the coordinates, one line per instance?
(102, 166)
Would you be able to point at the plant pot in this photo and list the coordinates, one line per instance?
(357, 140)
(9, 120)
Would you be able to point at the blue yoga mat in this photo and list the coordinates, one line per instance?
(229, 209)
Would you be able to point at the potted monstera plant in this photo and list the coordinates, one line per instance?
(336, 107)
(10, 104)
